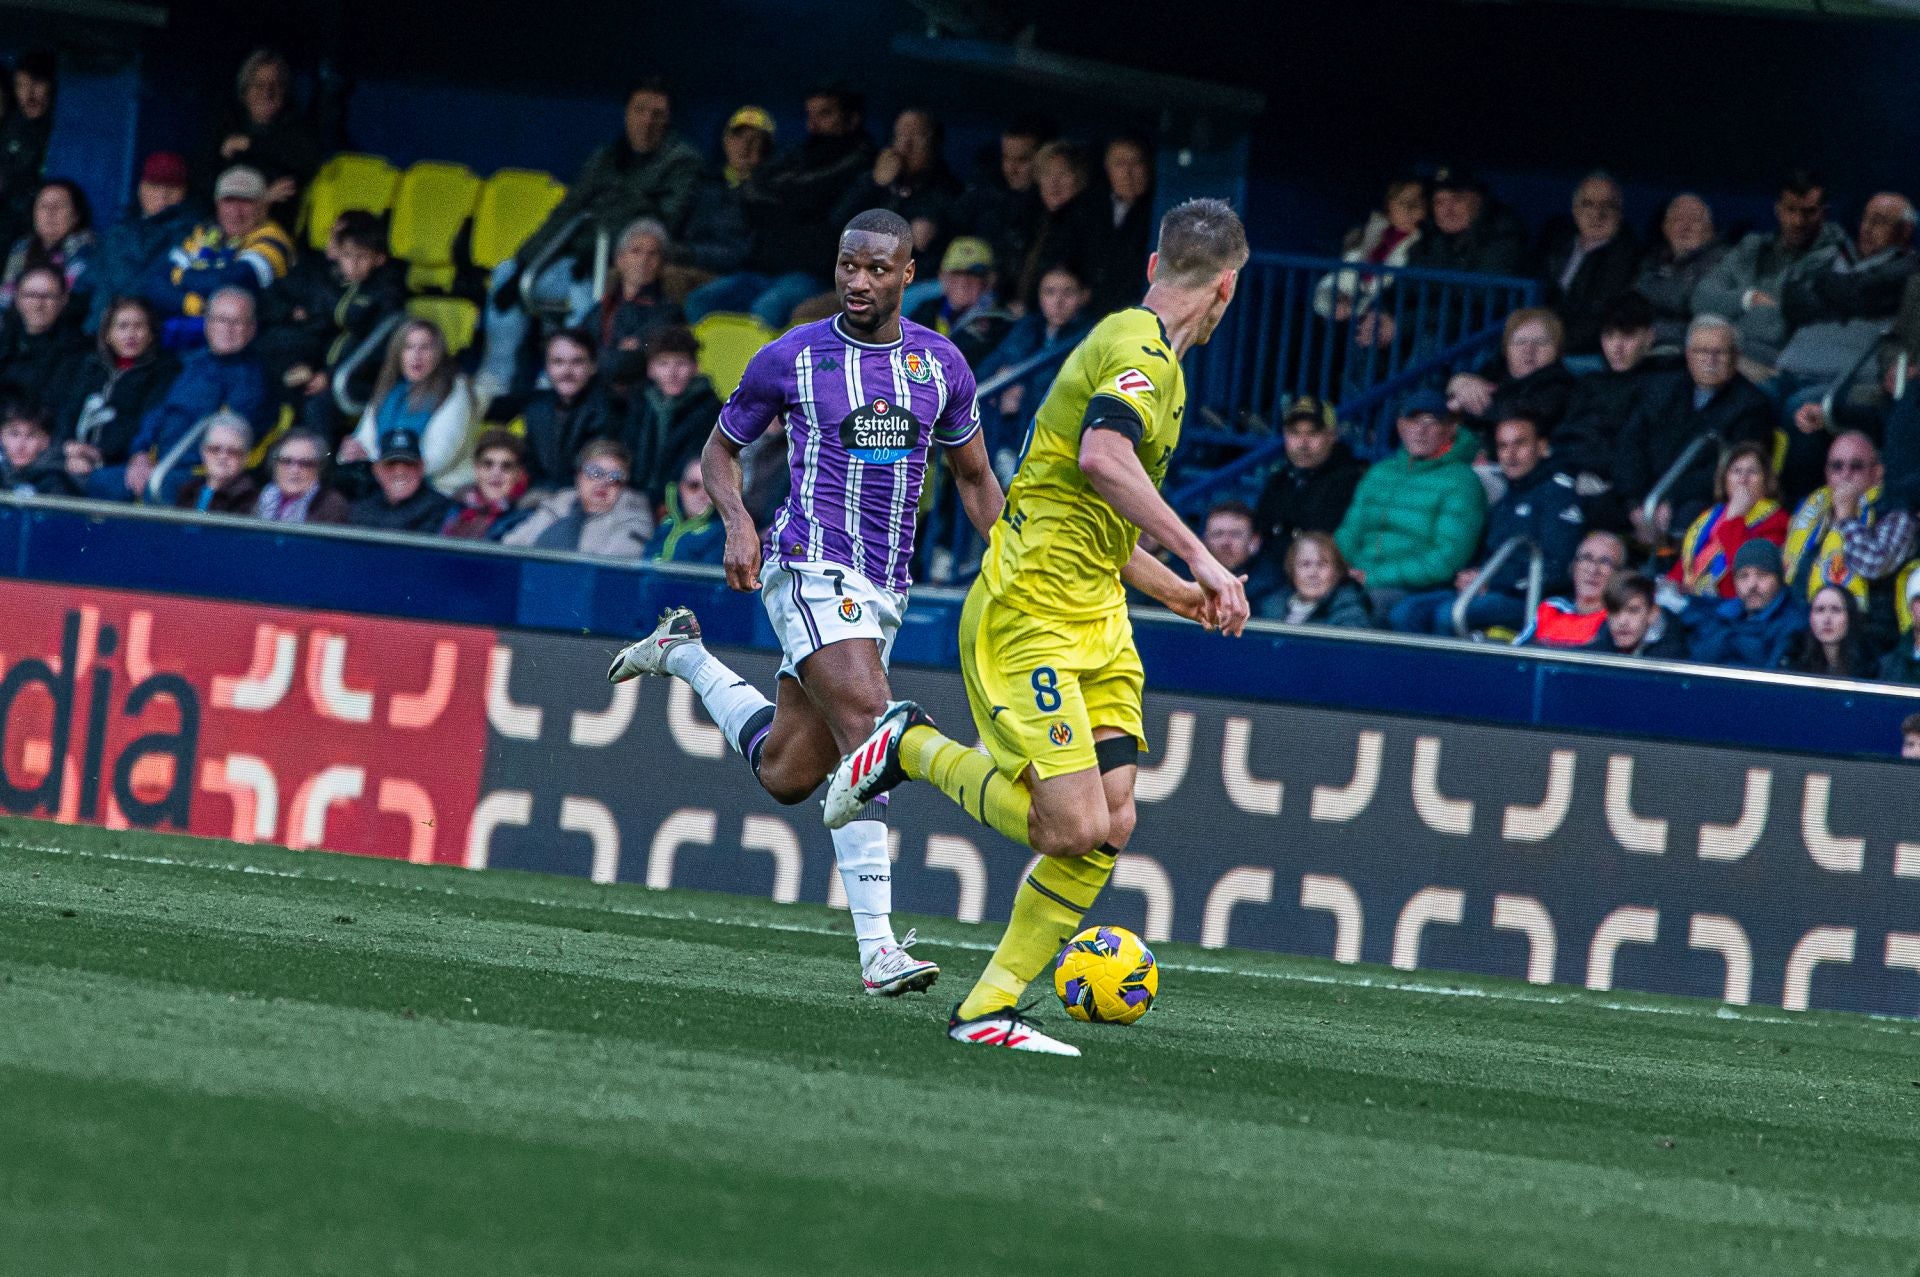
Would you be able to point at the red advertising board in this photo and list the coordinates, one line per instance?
(312, 729)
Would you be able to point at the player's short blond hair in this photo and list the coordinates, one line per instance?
(1198, 240)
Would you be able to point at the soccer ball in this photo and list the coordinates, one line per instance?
(1106, 975)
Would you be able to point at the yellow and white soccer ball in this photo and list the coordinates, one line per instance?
(1106, 975)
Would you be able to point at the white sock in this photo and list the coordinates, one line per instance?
(730, 700)
(866, 871)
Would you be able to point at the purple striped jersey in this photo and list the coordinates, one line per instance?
(859, 419)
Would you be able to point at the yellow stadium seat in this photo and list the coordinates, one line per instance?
(346, 181)
(727, 342)
(456, 318)
(513, 203)
(430, 205)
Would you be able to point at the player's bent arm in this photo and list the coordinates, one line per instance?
(1107, 459)
(979, 488)
(720, 467)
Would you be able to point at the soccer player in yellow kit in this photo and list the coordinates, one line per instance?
(1053, 678)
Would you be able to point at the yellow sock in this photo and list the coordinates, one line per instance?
(969, 778)
(1046, 912)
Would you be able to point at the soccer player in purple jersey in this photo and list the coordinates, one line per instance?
(864, 395)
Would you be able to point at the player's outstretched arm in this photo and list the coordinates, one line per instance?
(1107, 459)
(720, 467)
(979, 488)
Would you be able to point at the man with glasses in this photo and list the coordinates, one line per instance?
(1746, 286)
(1576, 620)
(1416, 517)
(41, 348)
(599, 515)
(1709, 398)
(226, 375)
(1590, 262)
(1848, 534)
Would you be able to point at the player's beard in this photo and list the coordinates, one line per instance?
(877, 318)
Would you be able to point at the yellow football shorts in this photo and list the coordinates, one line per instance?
(1039, 687)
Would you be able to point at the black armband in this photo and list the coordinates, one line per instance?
(1116, 752)
(1106, 412)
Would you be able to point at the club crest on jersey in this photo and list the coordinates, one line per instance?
(1060, 733)
(849, 611)
(881, 432)
(1133, 382)
(919, 367)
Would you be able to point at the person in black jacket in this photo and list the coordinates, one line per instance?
(29, 464)
(1069, 227)
(1467, 230)
(41, 345)
(26, 126)
(1599, 403)
(321, 313)
(910, 177)
(404, 501)
(789, 206)
(1709, 398)
(125, 380)
(1311, 491)
(559, 421)
(1002, 203)
(1527, 378)
(1589, 262)
(672, 415)
(1119, 255)
(262, 130)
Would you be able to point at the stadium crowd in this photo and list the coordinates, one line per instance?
(1788, 543)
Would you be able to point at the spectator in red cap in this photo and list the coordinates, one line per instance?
(158, 219)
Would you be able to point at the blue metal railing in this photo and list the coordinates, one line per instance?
(1352, 335)
(1357, 337)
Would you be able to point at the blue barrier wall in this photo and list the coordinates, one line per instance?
(240, 559)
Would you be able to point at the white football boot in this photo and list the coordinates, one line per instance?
(873, 767)
(1008, 1028)
(649, 656)
(892, 971)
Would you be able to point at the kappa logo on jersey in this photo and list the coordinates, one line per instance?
(880, 433)
(1060, 733)
(919, 367)
(849, 611)
(1133, 382)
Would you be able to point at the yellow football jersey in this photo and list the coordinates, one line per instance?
(1059, 547)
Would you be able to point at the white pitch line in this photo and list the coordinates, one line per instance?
(1718, 1011)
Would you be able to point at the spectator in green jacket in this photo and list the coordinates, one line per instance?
(1416, 517)
(691, 532)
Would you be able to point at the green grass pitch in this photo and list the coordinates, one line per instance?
(232, 1060)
